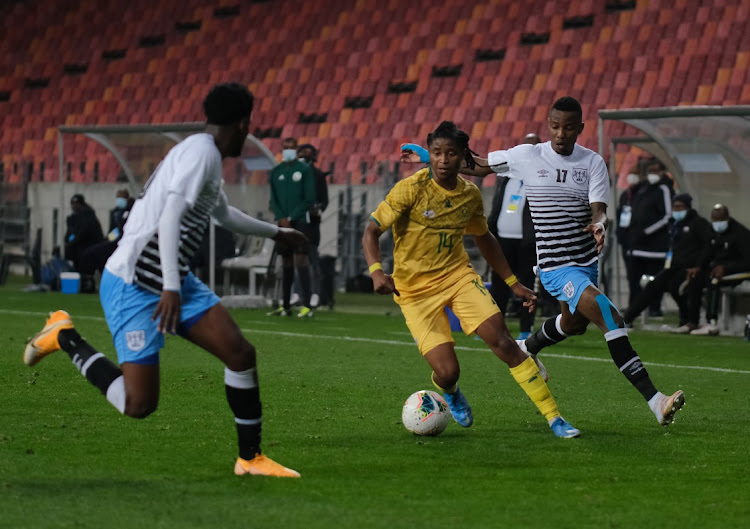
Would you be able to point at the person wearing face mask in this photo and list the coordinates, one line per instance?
(292, 196)
(727, 253)
(690, 234)
(649, 229)
(624, 218)
(119, 214)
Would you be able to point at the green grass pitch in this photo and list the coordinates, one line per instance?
(332, 390)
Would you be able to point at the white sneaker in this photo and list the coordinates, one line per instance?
(709, 329)
(294, 299)
(666, 406)
(539, 364)
(682, 329)
(314, 301)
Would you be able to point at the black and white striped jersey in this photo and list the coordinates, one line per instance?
(560, 191)
(191, 169)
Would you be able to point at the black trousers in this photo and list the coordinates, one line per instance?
(521, 258)
(669, 280)
(640, 266)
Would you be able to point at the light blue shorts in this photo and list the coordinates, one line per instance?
(128, 309)
(568, 283)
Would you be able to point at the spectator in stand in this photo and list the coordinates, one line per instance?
(727, 254)
(690, 236)
(624, 218)
(510, 223)
(309, 154)
(83, 231)
(292, 196)
(649, 228)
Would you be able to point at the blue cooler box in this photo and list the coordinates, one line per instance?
(70, 282)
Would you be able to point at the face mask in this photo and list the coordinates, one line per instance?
(653, 178)
(679, 215)
(720, 226)
(289, 155)
(121, 203)
(633, 179)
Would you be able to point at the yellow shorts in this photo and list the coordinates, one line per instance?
(469, 300)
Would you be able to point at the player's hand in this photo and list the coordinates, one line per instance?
(717, 272)
(413, 153)
(691, 273)
(285, 223)
(383, 283)
(168, 312)
(527, 295)
(599, 234)
(290, 236)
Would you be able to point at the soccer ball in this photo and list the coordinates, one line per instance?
(425, 413)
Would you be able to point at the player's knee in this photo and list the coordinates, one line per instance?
(140, 408)
(242, 356)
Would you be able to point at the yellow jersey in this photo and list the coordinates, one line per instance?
(429, 223)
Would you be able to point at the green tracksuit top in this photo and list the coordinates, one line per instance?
(292, 191)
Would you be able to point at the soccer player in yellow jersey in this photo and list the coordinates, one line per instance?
(429, 213)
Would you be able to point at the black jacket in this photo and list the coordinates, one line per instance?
(83, 228)
(690, 238)
(527, 235)
(649, 227)
(626, 200)
(730, 249)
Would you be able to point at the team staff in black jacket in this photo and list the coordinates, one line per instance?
(649, 227)
(728, 253)
(690, 236)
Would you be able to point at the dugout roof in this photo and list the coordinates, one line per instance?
(706, 148)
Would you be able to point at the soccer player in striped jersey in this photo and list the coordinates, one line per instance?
(148, 291)
(567, 187)
(429, 214)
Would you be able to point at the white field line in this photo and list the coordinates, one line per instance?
(411, 344)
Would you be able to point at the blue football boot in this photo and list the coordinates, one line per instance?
(460, 408)
(562, 428)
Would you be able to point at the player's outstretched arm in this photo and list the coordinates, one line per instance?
(381, 282)
(493, 254)
(599, 222)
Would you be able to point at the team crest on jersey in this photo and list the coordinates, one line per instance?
(297, 176)
(542, 173)
(580, 175)
(569, 290)
(136, 340)
(429, 214)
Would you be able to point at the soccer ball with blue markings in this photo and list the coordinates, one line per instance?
(425, 413)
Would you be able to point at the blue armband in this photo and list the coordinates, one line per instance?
(424, 156)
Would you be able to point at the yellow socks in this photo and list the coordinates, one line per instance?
(528, 377)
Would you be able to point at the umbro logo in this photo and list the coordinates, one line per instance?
(542, 172)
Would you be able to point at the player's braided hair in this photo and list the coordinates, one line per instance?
(448, 130)
(227, 103)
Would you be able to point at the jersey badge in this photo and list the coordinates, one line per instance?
(136, 340)
(542, 173)
(429, 214)
(297, 176)
(580, 175)
(569, 290)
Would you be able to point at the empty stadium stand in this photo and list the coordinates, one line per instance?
(355, 77)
